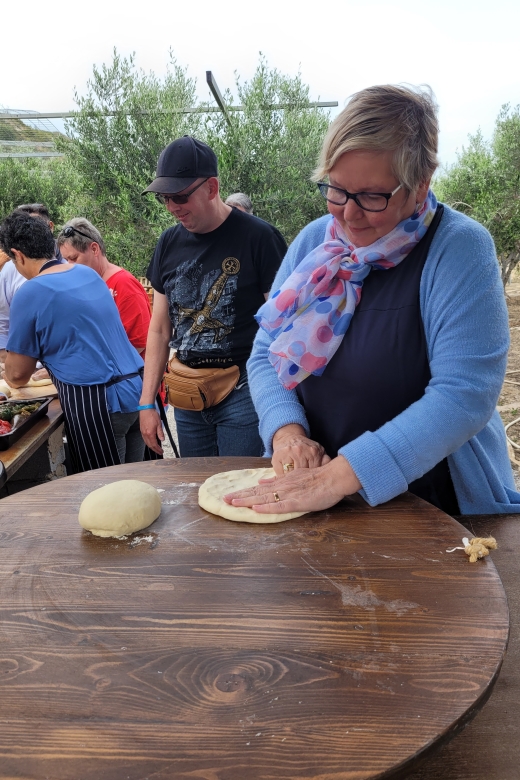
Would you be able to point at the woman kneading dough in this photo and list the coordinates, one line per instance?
(382, 348)
(65, 317)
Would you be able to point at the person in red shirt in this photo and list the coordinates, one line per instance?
(80, 242)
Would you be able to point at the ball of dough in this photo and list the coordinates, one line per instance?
(120, 508)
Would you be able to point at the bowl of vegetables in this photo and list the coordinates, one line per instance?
(17, 417)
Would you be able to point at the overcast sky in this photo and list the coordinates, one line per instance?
(469, 52)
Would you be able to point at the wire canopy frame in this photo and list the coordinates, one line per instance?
(26, 133)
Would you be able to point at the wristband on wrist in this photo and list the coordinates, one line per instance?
(145, 406)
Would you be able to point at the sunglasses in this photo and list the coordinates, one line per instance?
(69, 231)
(178, 199)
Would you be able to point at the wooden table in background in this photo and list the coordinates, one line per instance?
(342, 645)
(31, 441)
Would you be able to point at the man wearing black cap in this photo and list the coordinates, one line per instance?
(210, 273)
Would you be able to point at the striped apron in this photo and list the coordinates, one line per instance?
(90, 436)
(91, 440)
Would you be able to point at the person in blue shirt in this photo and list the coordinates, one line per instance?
(65, 317)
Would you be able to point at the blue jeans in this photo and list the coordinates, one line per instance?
(230, 428)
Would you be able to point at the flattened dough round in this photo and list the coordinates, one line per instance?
(120, 508)
(211, 494)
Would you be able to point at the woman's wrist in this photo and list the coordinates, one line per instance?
(292, 429)
(345, 475)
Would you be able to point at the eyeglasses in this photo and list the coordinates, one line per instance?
(368, 201)
(69, 231)
(178, 199)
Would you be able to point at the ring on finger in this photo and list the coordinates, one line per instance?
(276, 496)
(287, 467)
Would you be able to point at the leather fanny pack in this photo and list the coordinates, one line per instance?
(196, 389)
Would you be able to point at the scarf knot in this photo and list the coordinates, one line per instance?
(309, 315)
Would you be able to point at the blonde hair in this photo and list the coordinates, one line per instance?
(401, 119)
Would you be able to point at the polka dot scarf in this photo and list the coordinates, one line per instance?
(311, 312)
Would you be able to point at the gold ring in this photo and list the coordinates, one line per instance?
(276, 496)
(288, 467)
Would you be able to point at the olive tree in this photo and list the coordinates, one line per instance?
(485, 183)
(121, 124)
(270, 148)
(126, 118)
(36, 180)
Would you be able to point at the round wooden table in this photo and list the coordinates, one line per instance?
(341, 645)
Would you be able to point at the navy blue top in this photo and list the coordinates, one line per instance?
(70, 322)
(380, 368)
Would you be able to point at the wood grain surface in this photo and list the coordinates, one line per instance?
(489, 748)
(341, 645)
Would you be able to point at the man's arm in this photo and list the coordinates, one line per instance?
(157, 353)
(18, 369)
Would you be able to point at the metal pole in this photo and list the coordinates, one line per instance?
(216, 94)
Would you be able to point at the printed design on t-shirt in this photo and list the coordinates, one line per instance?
(203, 319)
(202, 307)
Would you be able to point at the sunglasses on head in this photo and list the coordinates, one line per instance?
(178, 199)
(69, 231)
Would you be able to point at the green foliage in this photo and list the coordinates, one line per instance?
(485, 184)
(123, 122)
(270, 153)
(127, 117)
(267, 153)
(36, 180)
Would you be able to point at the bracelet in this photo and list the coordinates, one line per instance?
(145, 406)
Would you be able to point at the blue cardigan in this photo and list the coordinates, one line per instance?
(465, 321)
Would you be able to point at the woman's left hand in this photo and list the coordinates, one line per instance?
(302, 490)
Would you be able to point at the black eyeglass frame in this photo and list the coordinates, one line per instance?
(180, 200)
(355, 195)
(68, 232)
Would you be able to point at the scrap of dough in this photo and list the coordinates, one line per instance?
(120, 508)
(4, 388)
(211, 494)
(37, 382)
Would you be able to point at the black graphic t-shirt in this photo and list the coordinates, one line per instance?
(215, 283)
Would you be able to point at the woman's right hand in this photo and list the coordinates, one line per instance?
(292, 446)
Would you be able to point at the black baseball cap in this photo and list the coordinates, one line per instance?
(181, 163)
